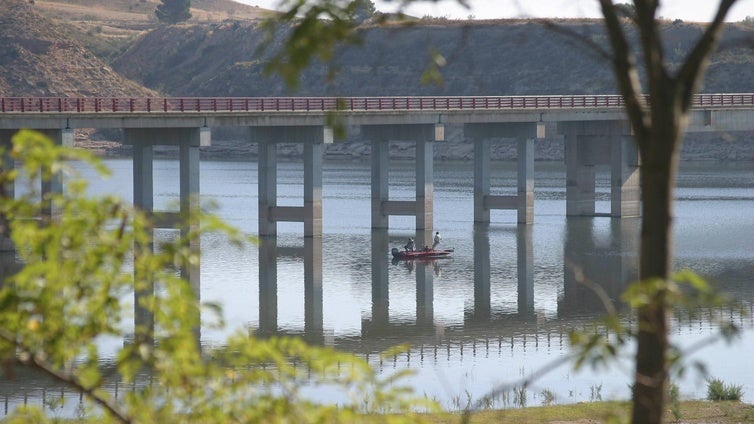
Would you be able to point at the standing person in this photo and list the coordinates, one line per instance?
(409, 245)
(436, 240)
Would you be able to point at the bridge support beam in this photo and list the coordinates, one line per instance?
(61, 137)
(313, 138)
(188, 141)
(422, 207)
(523, 200)
(589, 144)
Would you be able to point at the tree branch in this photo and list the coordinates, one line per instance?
(654, 60)
(690, 74)
(29, 359)
(624, 65)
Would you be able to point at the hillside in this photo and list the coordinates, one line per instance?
(64, 47)
(36, 59)
(216, 54)
(497, 58)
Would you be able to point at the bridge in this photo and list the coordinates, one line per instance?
(594, 127)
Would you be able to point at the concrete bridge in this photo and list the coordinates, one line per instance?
(595, 129)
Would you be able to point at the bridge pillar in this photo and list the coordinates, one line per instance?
(313, 138)
(523, 201)
(61, 137)
(422, 207)
(188, 141)
(589, 144)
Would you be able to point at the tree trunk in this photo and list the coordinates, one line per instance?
(658, 173)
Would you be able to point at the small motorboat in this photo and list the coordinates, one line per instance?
(420, 254)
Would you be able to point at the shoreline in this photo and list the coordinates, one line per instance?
(695, 148)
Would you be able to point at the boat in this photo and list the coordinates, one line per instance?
(420, 254)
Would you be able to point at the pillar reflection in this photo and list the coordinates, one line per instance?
(268, 286)
(525, 270)
(269, 253)
(482, 273)
(380, 287)
(482, 303)
(597, 267)
(313, 319)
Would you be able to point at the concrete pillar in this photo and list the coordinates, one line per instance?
(143, 182)
(312, 137)
(481, 179)
(380, 184)
(425, 186)
(188, 141)
(422, 207)
(523, 200)
(625, 186)
(525, 165)
(267, 188)
(592, 143)
(189, 177)
(580, 178)
(313, 189)
(62, 137)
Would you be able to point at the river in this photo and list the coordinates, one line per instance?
(494, 313)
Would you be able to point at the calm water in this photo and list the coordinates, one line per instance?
(494, 313)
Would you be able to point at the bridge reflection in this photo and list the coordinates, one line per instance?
(597, 268)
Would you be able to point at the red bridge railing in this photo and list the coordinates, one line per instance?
(353, 104)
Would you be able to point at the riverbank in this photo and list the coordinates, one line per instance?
(688, 412)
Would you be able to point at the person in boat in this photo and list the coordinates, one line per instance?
(409, 245)
(436, 241)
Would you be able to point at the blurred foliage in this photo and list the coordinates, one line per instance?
(79, 272)
(609, 339)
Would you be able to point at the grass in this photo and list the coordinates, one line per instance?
(717, 390)
(603, 412)
(691, 412)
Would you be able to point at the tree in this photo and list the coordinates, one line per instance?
(173, 11)
(69, 293)
(363, 10)
(658, 122)
(658, 125)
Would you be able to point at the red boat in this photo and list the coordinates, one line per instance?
(420, 254)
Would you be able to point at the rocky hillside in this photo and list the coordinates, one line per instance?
(37, 59)
(489, 58)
